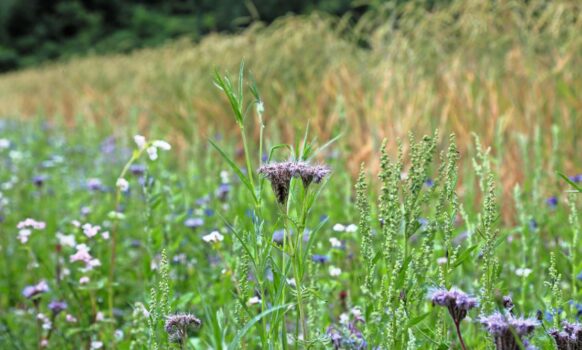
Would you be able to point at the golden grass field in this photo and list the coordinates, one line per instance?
(500, 71)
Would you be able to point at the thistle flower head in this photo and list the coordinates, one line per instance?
(280, 175)
(57, 306)
(455, 300)
(506, 331)
(570, 337)
(177, 326)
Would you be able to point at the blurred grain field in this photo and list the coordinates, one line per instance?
(502, 69)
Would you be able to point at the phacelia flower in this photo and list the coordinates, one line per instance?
(552, 202)
(455, 300)
(569, 338)
(507, 330)
(57, 306)
(321, 259)
(177, 326)
(34, 290)
(280, 175)
(193, 223)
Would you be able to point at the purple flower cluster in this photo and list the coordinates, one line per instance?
(508, 332)
(569, 338)
(177, 326)
(455, 300)
(31, 291)
(280, 175)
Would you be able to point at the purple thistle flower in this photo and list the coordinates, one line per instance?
(137, 169)
(280, 175)
(57, 306)
(177, 326)
(193, 223)
(31, 291)
(508, 332)
(320, 259)
(569, 338)
(457, 302)
(552, 202)
(39, 180)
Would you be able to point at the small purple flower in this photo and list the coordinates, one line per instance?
(429, 182)
(193, 223)
(569, 338)
(320, 259)
(576, 178)
(505, 330)
(39, 180)
(552, 202)
(177, 326)
(423, 224)
(579, 276)
(533, 225)
(137, 169)
(455, 300)
(94, 184)
(278, 236)
(34, 290)
(222, 192)
(57, 306)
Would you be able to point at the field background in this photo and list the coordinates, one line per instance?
(501, 70)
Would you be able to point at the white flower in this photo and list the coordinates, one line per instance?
(23, 235)
(224, 177)
(99, 316)
(96, 345)
(66, 240)
(260, 107)
(334, 271)
(4, 143)
(90, 230)
(254, 300)
(442, 260)
(213, 237)
(339, 228)
(105, 235)
(70, 318)
(523, 272)
(122, 184)
(140, 141)
(118, 334)
(344, 318)
(335, 243)
(163, 145)
(84, 280)
(351, 228)
(291, 282)
(152, 153)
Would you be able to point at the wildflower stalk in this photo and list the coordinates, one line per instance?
(575, 225)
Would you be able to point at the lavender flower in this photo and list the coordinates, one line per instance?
(508, 332)
(137, 169)
(280, 175)
(193, 223)
(569, 338)
(57, 306)
(177, 326)
(31, 291)
(457, 302)
(552, 202)
(321, 259)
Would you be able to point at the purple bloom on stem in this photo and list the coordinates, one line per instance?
(569, 338)
(34, 290)
(57, 306)
(321, 259)
(507, 331)
(457, 302)
(552, 202)
(193, 223)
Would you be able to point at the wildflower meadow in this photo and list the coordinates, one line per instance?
(119, 234)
